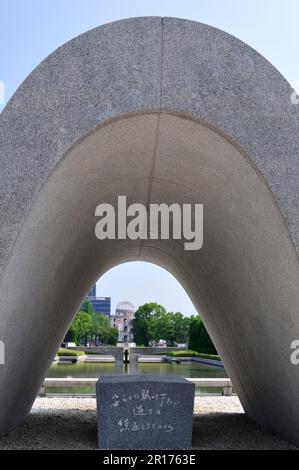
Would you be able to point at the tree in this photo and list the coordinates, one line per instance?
(199, 338)
(87, 307)
(102, 331)
(100, 325)
(152, 323)
(144, 328)
(180, 327)
(81, 327)
(88, 326)
(112, 337)
(160, 325)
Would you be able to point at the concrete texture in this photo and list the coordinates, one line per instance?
(161, 111)
(137, 353)
(71, 424)
(116, 352)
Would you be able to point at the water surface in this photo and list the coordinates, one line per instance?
(95, 370)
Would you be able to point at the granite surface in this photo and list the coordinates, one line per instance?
(145, 412)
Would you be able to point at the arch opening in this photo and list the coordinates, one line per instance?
(144, 282)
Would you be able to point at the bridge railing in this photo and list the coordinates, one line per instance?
(225, 384)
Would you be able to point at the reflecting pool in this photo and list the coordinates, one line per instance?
(95, 370)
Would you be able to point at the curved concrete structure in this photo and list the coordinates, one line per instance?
(160, 110)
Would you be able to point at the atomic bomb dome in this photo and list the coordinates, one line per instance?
(125, 306)
(124, 315)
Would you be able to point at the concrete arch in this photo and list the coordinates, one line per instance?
(161, 110)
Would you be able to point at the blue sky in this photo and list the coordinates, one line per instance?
(32, 29)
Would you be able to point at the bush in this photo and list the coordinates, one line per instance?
(213, 357)
(99, 353)
(199, 339)
(184, 353)
(70, 352)
(193, 354)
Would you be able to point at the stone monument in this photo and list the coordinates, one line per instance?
(145, 412)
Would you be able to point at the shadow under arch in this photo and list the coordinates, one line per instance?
(239, 215)
(245, 278)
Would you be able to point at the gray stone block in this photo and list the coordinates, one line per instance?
(145, 412)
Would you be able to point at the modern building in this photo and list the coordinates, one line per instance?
(122, 320)
(93, 291)
(100, 304)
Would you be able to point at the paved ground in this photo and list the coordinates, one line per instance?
(70, 423)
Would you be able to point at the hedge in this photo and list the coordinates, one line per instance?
(193, 354)
(70, 352)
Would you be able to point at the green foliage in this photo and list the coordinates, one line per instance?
(81, 327)
(112, 337)
(186, 353)
(90, 327)
(69, 352)
(104, 332)
(153, 323)
(199, 339)
(180, 327)
(140, 323)
(87, 307)
(189, 353)
(213, 357)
